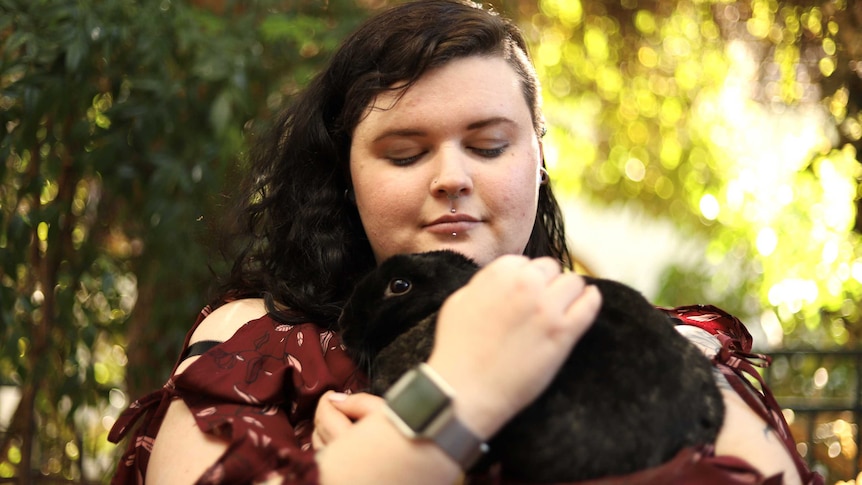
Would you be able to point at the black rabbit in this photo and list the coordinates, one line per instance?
(632, 393)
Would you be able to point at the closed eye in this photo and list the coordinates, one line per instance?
(401, 162)
(490, 152)
(482, 152)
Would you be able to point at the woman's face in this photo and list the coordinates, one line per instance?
(460, 138)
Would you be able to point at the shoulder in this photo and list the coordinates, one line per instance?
(713, 320)
(222, 323)
(225, 320)
(754, 429)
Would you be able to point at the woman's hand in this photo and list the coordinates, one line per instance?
(499, 341)
(336, 413)
(501, 338)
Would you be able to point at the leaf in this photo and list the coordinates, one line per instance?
(221, 112)
(15, 40)
(75, 54)
(277, 27)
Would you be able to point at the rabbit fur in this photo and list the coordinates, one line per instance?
(632, 393)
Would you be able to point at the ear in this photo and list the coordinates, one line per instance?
(349, 192)
(542, 152)
(542, 171)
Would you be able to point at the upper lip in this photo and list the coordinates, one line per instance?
(448, 218)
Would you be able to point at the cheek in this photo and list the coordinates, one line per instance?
(519, 191)
(375, 210)
(517, 205)
(381, 200)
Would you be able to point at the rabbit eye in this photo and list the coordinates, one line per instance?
(399, 286)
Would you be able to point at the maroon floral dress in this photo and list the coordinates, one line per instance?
(259, 389)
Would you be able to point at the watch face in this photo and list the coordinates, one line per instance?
(417, 400)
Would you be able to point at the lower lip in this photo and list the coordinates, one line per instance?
(448, 228)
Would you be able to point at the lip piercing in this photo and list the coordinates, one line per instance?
(454, 234)
(452, 198)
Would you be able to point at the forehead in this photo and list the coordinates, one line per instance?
(462, 91)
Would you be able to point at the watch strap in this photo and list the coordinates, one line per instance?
(456, 440)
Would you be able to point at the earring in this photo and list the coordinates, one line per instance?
(544, 177)
(349, 196)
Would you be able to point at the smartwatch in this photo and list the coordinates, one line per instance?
(420, 406)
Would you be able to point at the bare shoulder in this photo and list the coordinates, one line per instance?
(223, 322)
(747, 436)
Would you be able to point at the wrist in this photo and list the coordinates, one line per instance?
(422, 406)
(480, 410)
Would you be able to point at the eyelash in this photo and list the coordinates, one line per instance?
(491, 152)
(403, 162)
(482, 152)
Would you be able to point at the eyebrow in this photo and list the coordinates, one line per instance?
(476, 125)
(497, 120)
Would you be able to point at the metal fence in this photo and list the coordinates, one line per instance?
(821, 392)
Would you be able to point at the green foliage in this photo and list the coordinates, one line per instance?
(122, 120)
(740, 122)
(736, 121)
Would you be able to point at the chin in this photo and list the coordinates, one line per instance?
(478, 255)
(481, 254)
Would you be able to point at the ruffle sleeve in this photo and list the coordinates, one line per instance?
(257, 391)
(735, 361)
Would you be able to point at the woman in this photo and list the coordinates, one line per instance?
(423, 133)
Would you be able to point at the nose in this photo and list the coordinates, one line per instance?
(452, 178)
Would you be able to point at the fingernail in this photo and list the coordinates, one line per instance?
(337, 396)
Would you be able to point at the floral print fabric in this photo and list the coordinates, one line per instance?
(259, 389)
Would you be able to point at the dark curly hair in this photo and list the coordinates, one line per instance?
(300, 243)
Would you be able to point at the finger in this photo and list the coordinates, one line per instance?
(317, 441)
(528, 274)
(574, 301)
(583, 311)
(357, 406)
(549, 267)
(565, 289)
(329, 421)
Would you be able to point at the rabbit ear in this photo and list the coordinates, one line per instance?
(356, 319)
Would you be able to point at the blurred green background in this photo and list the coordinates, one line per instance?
(706, 151)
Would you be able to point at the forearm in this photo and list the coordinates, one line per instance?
(374, 451)
(182, 452)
